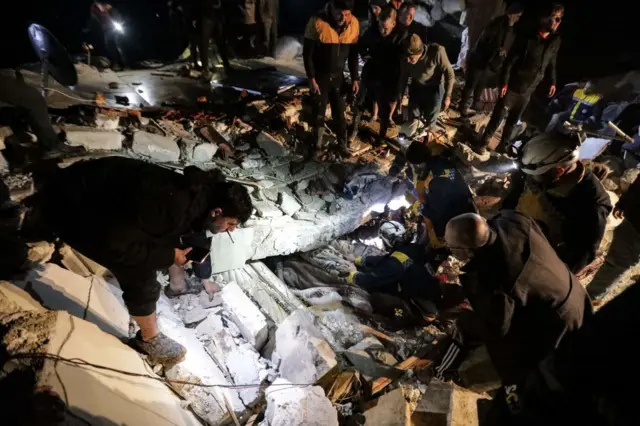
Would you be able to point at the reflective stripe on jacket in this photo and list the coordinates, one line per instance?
(583, 105)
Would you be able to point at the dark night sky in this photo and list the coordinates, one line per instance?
(597, 40)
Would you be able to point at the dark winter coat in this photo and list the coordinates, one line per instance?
(524, 298)
(629, 203)
(528, 61)
(125, 213)
(384, 57)
(495, 37)
(573, 213)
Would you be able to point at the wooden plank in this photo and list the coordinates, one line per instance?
(380, 335)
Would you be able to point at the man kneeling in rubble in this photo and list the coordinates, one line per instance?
(403, 272)
(135, 218)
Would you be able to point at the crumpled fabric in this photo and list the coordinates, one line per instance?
(353, 296)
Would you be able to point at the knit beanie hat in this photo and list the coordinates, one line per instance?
(415, 45)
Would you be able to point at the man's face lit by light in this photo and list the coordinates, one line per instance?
(376, 10)
(386, 27)
(556, 20)
(219, 223)
(407, 15)
(413, 59)
(341, 16)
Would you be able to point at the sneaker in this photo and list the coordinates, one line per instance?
(161, 350)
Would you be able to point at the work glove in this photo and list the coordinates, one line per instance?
(358, 261)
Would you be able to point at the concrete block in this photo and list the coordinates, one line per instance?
(391, 410)
(290, 405)
(303, 354)
(157, 147)
(445, 404)
(90, 298)
(204, 152)
(317, 204)
(288, 204)
(266, 209)
(94, 139)
(228, 253)
(272, 146)
(251, 322)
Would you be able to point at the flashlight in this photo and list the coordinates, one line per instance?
(118, 27)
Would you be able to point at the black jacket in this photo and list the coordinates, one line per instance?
(125, 213)
(528, 61)
(495, 37)
(524, 298)
(414, 28)
(326, 47)
(383, 58)
(629, 203)
(573, 213)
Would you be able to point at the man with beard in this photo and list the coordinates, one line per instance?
(136, 218)
(531, 57)
(329, 41)
(381, 48)
(407, 24)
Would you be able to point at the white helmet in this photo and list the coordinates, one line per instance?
(391, 232)
(548, 151)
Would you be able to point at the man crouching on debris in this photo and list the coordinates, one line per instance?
(131, 217)
(524, 298)
(329, 40)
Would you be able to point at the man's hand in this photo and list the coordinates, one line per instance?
(552, 91)
(180, 257)
(315, 89)
(355, 87)
(447, 102)
(618, 213)
(503, 53)
(503, 91)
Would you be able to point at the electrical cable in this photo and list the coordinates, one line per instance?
(82, 363)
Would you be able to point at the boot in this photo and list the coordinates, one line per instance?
(161, 350)
(356, 125)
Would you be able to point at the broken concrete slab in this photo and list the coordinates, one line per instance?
(245, 315)
(446, 404)
(272, 146)
(291, 405)
(231, 252)
(90, 298)
(190, 309)
(371, 358)
(392, 409)
(302, 353)
(204, 152)
(107, 121)
(288, 204)
(156, 147)
(94, 139)
(266, 209)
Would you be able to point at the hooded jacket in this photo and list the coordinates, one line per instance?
(572, 212)
(384, 57)
(327, 47)
(126, 213)
(524, 298)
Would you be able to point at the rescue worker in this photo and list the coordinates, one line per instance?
(486, 57)
(107, 21)
(432, 80)
(407, 23)
(530, 58)
(524, 299)
(213, 23)
(268, 17)
(329, 41)
(567, 200)
(136, 218)
(401, 273)
(624, 252)
(382, 49)
(29, 101)
(584, 107)
(442, 191)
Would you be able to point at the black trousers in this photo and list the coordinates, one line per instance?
(213, 26)
(476, 81)
(30, 100)
(331, 93)
(511, 107)
(269, 36)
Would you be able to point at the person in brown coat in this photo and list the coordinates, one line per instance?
(524, 298)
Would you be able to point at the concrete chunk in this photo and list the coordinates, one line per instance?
(252, 323)
(204, 152)
(231, 252)
(303, 353)
(272, 146)
(288, 204)
(445, 404)
(290, 405)
(93, 139)
(391, 410)
(157, 147)
(107, 121)
(370, 358)
(266, 209)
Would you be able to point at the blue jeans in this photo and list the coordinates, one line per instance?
(426, 102)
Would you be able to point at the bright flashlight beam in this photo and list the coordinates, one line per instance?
(118, 27)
